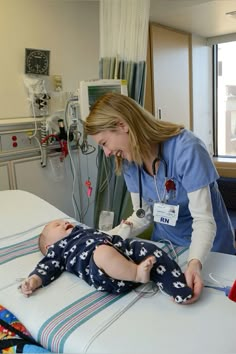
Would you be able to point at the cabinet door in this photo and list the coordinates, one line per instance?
(171, 83)
(52, 183)
(4, 176)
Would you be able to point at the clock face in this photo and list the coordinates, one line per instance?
(37, 61)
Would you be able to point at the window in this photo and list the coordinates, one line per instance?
(224, 55)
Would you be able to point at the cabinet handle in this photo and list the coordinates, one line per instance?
(159, 113)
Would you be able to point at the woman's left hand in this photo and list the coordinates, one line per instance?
(194, 279)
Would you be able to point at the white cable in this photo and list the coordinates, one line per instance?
(157, 192)
(74, 178)
(219, 282)
(172, 247)
(85, 210)
(104, 182)
(35, 123)
(163, 292)
(212, 278)
(43, 133)
(39, 144)
(74, 175)
(107, 181)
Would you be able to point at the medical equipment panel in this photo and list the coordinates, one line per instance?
(16, 140)
(90, 91)
(48, 156)
(17, 136)
(20, 163)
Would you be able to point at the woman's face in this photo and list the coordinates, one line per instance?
(115, 142)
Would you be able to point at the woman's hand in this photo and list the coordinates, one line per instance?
(194, 279)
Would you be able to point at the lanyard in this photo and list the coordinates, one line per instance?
(140, 212)
(159, 159)
(161, 200)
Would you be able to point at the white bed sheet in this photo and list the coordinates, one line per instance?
(130, 324)
(85, 311)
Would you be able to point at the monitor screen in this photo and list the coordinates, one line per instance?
(90, 91)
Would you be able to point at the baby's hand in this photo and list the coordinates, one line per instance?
(29, 285)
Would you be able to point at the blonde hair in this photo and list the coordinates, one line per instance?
(144, 129)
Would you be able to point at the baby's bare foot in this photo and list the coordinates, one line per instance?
(143, 270)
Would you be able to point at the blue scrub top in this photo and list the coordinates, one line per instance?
(191, 168)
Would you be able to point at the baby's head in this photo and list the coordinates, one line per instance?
(53, 232)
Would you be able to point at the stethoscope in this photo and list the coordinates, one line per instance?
(141, 212)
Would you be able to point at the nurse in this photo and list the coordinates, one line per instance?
(171, 178)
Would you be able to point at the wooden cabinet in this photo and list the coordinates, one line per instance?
(169, 75)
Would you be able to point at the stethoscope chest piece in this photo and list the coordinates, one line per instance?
(140, 213)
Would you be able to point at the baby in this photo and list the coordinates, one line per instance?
(106, 262)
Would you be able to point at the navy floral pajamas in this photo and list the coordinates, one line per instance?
(74, 254)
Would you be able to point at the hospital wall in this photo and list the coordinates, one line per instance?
(69, 29)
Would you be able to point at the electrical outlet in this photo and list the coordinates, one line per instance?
(57, 83)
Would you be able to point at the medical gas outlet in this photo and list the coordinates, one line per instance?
(16, 141)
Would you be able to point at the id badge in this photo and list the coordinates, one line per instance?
(165, 213)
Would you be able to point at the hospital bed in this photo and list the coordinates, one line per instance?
(71, 317)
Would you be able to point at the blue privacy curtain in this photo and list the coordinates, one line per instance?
(123, 50)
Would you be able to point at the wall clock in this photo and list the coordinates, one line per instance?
(37, 61)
